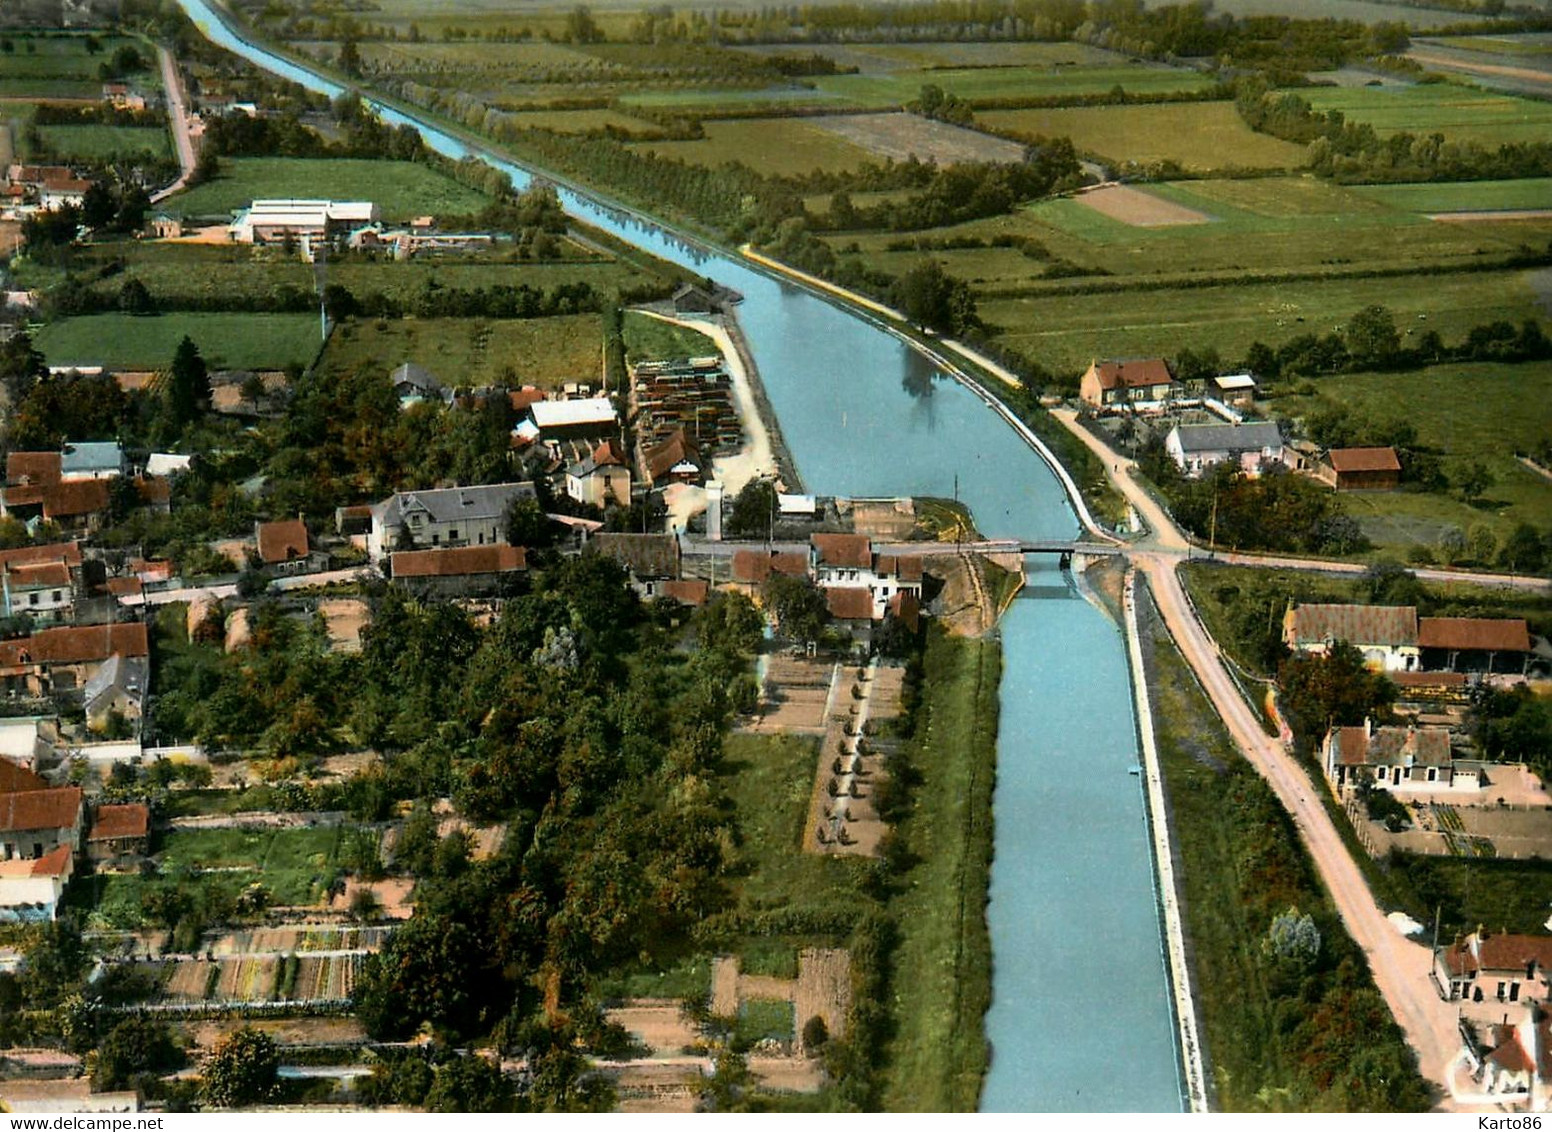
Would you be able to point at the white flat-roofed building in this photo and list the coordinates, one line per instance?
(583, 417)
(270, 221)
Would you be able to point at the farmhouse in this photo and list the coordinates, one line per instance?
(676, 460)
(283, 547)
(454, 516)
(602, 478)
(1504, 967)
(34, 823)
(460, 571)
(1195, 448)
(273, 221)
(44, 582)
(65, 659)
(652, 560)
(1514, 1061)
(1475, 644)
(1363, 469)
(36, 488)
(120, 836)
(1385, 634)
(1398, 758)
(1130, 382)
(752, 568)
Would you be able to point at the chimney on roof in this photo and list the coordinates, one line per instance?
(1368, 728)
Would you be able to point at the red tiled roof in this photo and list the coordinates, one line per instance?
(154, 489)
(75, 644)
(52, 864)
(521, 399)
(1508, 634)
(609, 454)
(1364, 460)
(152, 569)
(1511, 951)
(34, 574)
(1136, 373)
(458, 561)
(1427, 679)
(677, 449)
(1425, 746)
(40, 809)
(849, 603)
(1359, 625)
(125, 587)
(690, 591)
(32, 467)
(283, 540)
(18, 779)
(907, 608)
(112, 822)
(906, 567)
(755, 566)
(851, 551)
(75, 497)
(66, 552)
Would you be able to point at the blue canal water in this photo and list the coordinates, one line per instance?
(1081, 1014)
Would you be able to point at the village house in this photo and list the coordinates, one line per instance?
(1396, 758)
(120, 836)
(1254, 447)
(851, 610)
(36, 489)
(117, 689)
(453, 516)
(693, 592)
(1501, 967)
(65, 659)
(1362, 469)
(1386, 635)
(675, 460)
(1475, 644)
(753, 568)
(30, 890)
(284, 549)
(1135, 381)
(841, 560)
(274, 221)
(1514, 1061)
(651, 560)
(414, 385)
(91, 460)
(603, 478)
(42, 581)
(895, 576)
(463, 571)
(33, 823)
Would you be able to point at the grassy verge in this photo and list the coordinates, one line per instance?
(1274, 1027)
(937, 1057)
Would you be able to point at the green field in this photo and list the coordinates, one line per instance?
(1469, 196)
(1203, 135)
(648, 337)
(227, 341)
(1460, 113)
(93, 143)
(400, 188)
(61, 66)
(1065, 332)
(874, 58)
(1464, 412)
(1529, 45)
(296, 865)
(579, 121)
(899, 87)
(473, 351)
(774, 146)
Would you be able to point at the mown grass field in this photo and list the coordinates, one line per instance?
(781, 147)
(648, 337)
(1465, 196)
(227, 341)
(61, 66)
(1460, 113)
(1065, 332)
(1466, 412)
(400, 188)
(91, 143)
(1201, 135)
(472, 351)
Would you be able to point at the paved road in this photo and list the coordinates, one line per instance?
(178, 115)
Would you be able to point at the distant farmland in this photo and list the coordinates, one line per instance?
(227, 341)
(401, 188)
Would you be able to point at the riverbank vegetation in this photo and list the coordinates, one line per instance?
(1280, 1021)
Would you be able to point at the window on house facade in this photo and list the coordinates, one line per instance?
(32, 599)
(58, 596)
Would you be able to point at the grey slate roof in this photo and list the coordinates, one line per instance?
(419, 377)
(129, 674)
(1230, 438)
(91, 456)
(453, 504)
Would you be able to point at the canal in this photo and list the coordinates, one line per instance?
(1081, 1017)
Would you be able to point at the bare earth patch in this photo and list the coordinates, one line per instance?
(1139, 209)
(899, 136)
(1491, 215)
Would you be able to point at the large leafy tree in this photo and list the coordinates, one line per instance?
(1331, 690)
(241, 1070)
